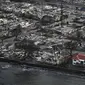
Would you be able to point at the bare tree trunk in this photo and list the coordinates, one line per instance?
(25, 55)
(2, 41)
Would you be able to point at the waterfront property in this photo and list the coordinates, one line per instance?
(78, 59)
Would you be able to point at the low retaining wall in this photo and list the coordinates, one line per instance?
(42, 65)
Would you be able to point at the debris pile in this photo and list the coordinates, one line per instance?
(24, 23)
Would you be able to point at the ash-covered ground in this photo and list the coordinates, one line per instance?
(35, 31)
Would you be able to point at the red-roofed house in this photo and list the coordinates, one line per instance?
(78, 59)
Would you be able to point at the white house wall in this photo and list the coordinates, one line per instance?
(77, 61)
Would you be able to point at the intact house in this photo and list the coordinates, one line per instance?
(78, 59)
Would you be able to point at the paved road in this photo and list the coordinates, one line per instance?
(16, 75)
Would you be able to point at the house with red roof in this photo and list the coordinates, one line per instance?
(78, 59)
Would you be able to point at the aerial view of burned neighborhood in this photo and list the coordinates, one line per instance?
(42, 42)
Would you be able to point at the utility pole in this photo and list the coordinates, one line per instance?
(72, 1)
(61, 18)
(41, 2)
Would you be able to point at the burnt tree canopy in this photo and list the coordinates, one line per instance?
(30, 16)
(46, 19)
(29, 48)
(31, 1)
(16, 31)
(27, 45)
(1, 54)
(18, 0)
(63, 17)
(3, 37)
(71, 45)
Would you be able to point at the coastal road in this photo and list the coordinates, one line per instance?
(20, 75)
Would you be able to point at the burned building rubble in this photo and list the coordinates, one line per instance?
(41, 24)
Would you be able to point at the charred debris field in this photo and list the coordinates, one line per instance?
(37, 31)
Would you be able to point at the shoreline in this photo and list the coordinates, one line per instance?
(43, 65)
